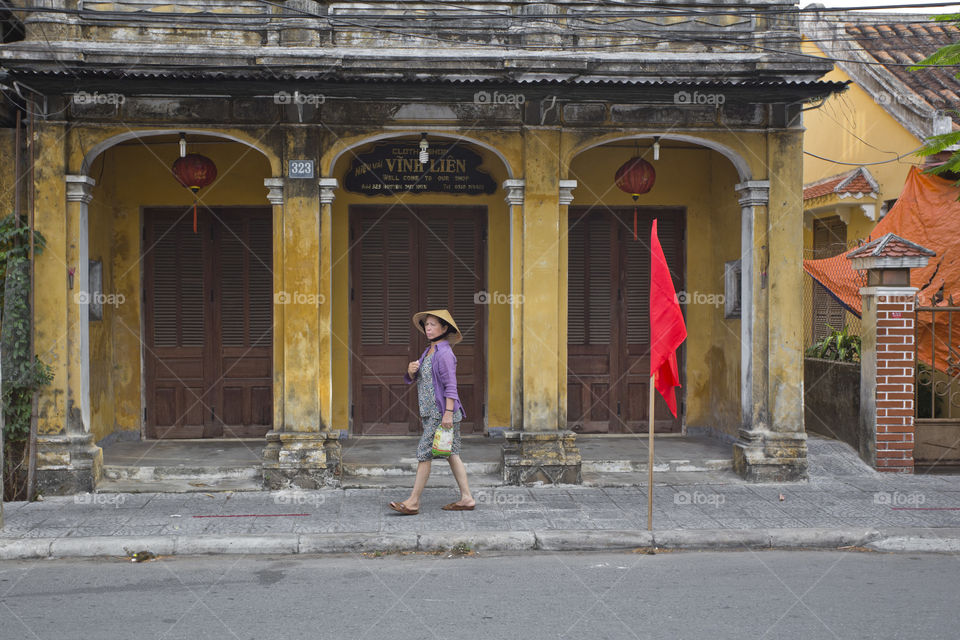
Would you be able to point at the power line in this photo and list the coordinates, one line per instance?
(864, 164)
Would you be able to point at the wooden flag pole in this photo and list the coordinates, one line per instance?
(650, 460)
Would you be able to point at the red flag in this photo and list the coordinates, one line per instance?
(667, 330)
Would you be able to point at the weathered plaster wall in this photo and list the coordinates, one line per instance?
(725, 352)
(104, 404)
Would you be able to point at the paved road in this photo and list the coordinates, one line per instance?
(771, 594)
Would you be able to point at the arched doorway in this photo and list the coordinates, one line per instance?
(699, 220)
(413, 250)
(198, 308)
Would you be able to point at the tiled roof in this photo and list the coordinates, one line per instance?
(855, 182)
(890, 246)
(895, 45)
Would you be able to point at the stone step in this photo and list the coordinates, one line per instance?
(408, 467)
(637, 466)
(406, 481)
(179, 479)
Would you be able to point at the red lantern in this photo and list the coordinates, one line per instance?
(636, 177)
(195, 172)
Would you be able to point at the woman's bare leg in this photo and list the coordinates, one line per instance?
(460, 473)
(423, 474)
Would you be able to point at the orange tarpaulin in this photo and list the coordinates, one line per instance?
(928, 214)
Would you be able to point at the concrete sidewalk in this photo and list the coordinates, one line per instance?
(844, 504)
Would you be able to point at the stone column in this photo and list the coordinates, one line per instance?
(327, 194)
(543, 450)
(301, 450)
(754, 199)
(772, 445)
(514, 199)
(887, 357)
(67, 459)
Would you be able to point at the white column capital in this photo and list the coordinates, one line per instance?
(754, 193)
(80, 188)
(327, 190)
(514, 191)
(275, 187)
(566, 189)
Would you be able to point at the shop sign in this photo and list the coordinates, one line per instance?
(395, 167)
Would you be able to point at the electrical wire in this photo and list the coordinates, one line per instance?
(865, 164)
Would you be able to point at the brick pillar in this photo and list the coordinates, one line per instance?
(887, 361)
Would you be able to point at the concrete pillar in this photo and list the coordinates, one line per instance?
(772, 443)
(301, 450)
(888, 352)
(514, 198)
(328, 188)
(543, 450)
(67, 459)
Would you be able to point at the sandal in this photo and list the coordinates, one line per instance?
(403, 509)
(453, 506)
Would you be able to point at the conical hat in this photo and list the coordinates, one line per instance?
(443, 314)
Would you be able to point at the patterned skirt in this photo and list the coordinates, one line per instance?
(430, 425)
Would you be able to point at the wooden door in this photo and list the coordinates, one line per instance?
(208, 323)
(243, 302)
(608, 318)
(405, 260)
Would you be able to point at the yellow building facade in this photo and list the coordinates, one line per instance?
(286, 314)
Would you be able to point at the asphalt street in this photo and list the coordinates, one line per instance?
(746, 594)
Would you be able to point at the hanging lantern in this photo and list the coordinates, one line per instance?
(635, 177)
(195, 172)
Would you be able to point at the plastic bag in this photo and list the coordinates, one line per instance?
(442, 441)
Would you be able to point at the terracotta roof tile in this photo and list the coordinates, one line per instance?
(889, 246)
(898, 44)
(855, 181)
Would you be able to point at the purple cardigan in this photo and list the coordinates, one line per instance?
(444, 376)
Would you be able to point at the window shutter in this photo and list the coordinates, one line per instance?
(178, 318)
(576, 283)
(385, 288)
(466, 278)
(589, 280)
(246, 281)
(261, 281)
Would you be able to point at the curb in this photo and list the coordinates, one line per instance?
(887, 540)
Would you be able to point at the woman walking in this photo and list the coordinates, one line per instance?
(436, 376)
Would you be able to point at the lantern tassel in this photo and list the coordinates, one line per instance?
(635, 196)
(195, 190)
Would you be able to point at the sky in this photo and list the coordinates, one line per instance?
(902, 6)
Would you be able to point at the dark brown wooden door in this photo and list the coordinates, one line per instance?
(608, 326)
(208, 304)
(406, 260)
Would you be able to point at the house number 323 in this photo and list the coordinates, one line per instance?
(300, 169)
